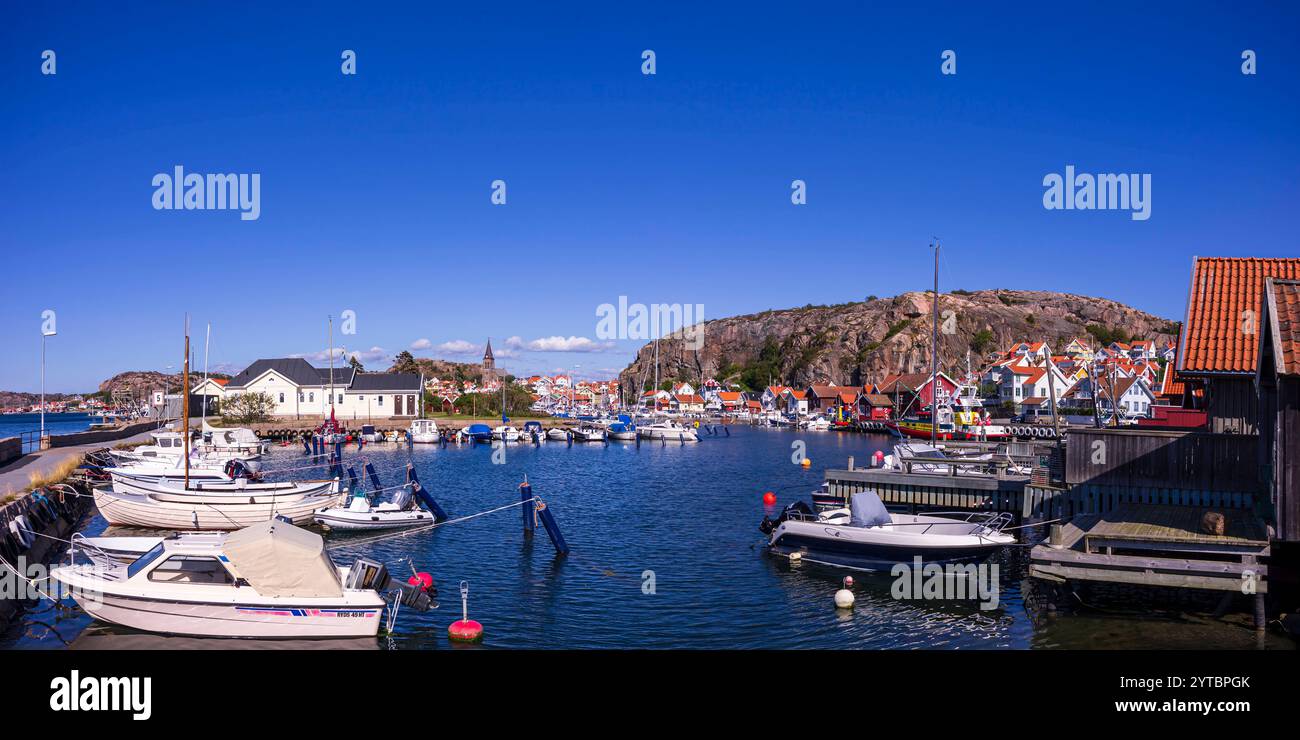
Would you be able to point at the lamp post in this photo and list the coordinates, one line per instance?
(44, 335)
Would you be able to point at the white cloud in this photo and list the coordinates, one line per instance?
(515, 342)
(459, 347)
(421, 343)
(341, 355)
(572, 344)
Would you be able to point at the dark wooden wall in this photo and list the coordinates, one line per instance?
(1148, 458)
(1285, 459)
(1232, 405)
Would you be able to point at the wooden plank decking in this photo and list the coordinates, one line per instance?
(1151, 543)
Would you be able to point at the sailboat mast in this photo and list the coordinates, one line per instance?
(185, 402)
(207, 339)
(330, 334)
(934, 351)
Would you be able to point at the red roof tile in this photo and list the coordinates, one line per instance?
(1218, 335)
(1284, 324)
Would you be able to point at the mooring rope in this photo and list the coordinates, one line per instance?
(435, 525)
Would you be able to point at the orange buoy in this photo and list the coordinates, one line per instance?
(769, 498)
(807, 463)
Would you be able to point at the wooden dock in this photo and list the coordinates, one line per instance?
(1157, 546)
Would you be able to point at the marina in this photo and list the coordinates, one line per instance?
(527, 596)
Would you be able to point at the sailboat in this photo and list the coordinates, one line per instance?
(187, 502)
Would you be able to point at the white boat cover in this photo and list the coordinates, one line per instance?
(232, 436)
(867, 510)
(279, 559)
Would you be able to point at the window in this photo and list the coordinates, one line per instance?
(144, 560)
(191, 569)
(340, 398)
(281, 398)
(380, 401)
(311, 397)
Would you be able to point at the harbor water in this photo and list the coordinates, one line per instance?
(12, 425)
(666, 553)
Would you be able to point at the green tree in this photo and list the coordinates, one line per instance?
(982, 341)
(247, 408)
(404, 362)
(356, 364)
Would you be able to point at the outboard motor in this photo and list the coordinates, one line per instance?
(371, 574)
(802, 509)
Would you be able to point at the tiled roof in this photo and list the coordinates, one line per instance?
(1284, 324)
(1170, 385)
(1218, 336)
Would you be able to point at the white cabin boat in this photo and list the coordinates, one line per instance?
(668, 430)
(424, 431)
(506, 433)
(273, 580)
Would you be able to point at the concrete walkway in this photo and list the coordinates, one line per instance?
(16, 476)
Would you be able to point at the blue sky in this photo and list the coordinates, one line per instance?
(671, 188)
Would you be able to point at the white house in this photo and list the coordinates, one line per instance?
(301, 390)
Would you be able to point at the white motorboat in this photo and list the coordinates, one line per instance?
(668, 430)
(127, 480)
(360, 513)
(818, 424)
(168, 448)
(866, 536)
(368, 434)
(507, 433)
(588, 433)
(272, 580)
(424, 431)
(557, 434)
(200, 470)
(622, 431)
(187, 510)
(232, 441)
(918, 458)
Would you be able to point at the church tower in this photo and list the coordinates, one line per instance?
(489, 363)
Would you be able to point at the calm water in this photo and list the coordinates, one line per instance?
(11, 425)
(689, 514)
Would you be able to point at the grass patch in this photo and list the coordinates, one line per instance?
(58, 474)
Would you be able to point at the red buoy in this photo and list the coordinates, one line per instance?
(769, 498)
(465, 630)
(422, 581)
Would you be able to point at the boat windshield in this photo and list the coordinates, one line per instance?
(144, 560)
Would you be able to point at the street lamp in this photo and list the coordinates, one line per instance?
(44, 334)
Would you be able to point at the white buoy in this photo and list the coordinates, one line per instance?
(844, 597)
(796, 557)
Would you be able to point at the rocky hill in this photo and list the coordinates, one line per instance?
(142, 383)
(433, 368)
(853, 343)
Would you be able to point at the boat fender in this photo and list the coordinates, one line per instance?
(22, 533)
(806, 463)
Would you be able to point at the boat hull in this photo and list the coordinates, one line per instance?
(311, 618)
(879, 549)
(135, 510)
(352, 520)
